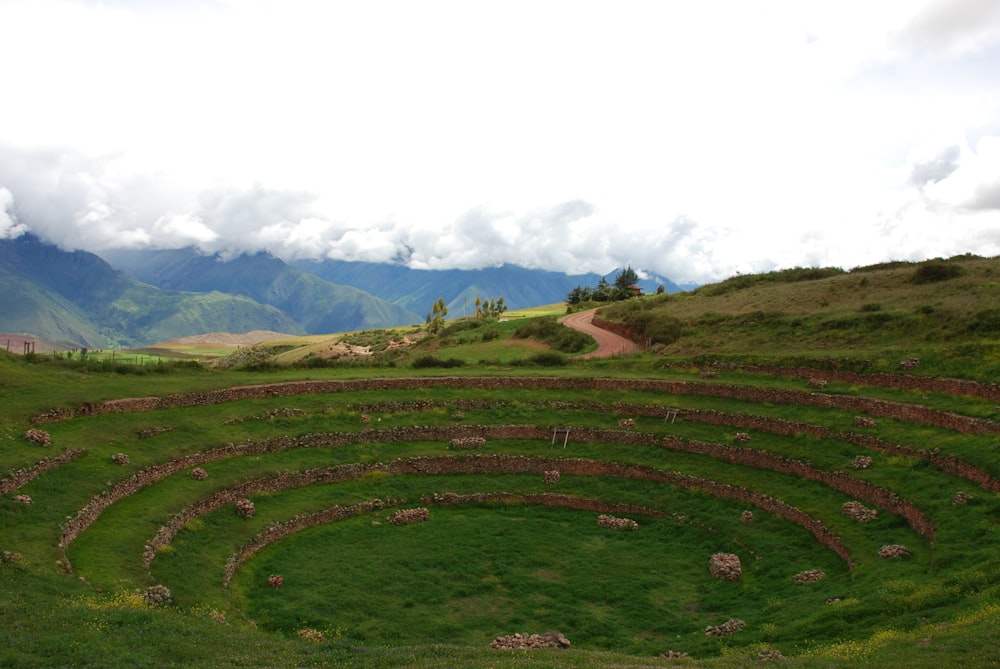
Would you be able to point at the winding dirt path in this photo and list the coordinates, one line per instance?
(608, 343)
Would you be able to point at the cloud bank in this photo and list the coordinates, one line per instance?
(694, 141)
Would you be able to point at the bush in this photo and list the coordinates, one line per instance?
(548, 360)
(985, 321)
(428, 361)
(935, 271)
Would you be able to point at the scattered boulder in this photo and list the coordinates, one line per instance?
(522, 642)
(613, 523)
(729, 627)
(865, 421)
(862, 462)
(890, 551)
(961, 498)
(156, 595)
(809, 576)
(39, 437)
(859, 512)
(245, 508)
(409, 516)
(726, 567)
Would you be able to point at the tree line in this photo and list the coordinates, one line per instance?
(622, 288)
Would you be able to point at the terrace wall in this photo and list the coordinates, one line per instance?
(912, 413)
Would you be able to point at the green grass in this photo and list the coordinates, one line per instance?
(435, 594)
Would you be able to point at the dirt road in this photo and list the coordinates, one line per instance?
(608, 343)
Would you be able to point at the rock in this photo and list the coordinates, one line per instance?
(725, 567)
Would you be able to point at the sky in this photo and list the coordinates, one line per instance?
(696, 140)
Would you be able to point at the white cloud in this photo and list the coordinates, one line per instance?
(9, 227)
(692, 139)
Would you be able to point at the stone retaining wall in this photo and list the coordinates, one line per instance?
(913, 413)
(504, 464)
(990, 391)
(278, 531)
(25, 475)
(784, 427)
(760, 459)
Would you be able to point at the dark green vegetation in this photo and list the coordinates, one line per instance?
(622, 288)
(435, 594)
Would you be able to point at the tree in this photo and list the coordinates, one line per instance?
(603, 292)
(626, 278)
(435, 319)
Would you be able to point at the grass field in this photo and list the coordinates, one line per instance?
(505, 549)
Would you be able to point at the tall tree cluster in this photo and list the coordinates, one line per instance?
(621, 289)
(490, 308)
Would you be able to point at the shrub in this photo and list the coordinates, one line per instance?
(985, 321)
(428, 361)
(547, 360)
(932, 272)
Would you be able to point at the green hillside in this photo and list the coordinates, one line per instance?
(813, 488)
(945, 312)
(79, 299)
(318, 306)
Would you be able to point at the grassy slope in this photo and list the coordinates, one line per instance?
(879, 314)
(940, 609)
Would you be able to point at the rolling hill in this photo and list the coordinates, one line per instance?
(417, 289)
(77, 298)
(318, 306)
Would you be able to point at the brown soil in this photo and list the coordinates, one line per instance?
(608, 343)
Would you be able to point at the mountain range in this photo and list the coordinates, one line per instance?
(132, 298)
